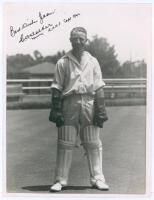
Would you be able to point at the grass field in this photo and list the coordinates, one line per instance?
(31, 148)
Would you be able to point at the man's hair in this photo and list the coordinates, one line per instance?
(80, 29)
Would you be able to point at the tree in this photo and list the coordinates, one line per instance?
(38, 56)
(141, 70)
(20, 61)
(54, 58)
(105, 54)
(135, 69)
(16, 63)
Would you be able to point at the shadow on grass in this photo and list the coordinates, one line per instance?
(47, 188)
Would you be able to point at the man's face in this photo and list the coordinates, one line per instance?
(78, 40)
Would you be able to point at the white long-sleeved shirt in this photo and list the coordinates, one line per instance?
(72, 77)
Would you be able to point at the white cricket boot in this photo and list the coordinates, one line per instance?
(57, 187)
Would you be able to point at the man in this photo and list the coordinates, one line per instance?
(78, 108)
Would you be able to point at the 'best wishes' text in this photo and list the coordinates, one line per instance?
(35, 33)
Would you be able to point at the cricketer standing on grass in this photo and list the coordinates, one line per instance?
(78, 108)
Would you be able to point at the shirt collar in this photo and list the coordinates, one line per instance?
(85, 57)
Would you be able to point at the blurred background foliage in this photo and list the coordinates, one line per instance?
(99, 47)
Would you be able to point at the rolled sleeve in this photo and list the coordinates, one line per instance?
(98, 79)
(58, 77)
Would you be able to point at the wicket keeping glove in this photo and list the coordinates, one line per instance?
(56, 108)
(100, 115)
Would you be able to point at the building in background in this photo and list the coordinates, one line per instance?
(43, 70)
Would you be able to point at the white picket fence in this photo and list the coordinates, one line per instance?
(114, 87)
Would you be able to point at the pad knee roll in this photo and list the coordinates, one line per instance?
(66, 137)
(91, 137)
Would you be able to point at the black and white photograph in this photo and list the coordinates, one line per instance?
(77, 99)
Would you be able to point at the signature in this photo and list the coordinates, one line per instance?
(48, 27)
(34, 34)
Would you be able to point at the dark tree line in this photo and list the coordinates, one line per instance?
(16, 63)
(105, 54)
(130, 69)
(98, 47)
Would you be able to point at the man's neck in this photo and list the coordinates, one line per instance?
(78, 54)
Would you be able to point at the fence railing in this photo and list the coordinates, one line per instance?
(119, 88)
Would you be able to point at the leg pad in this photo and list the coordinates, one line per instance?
(65, 145)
